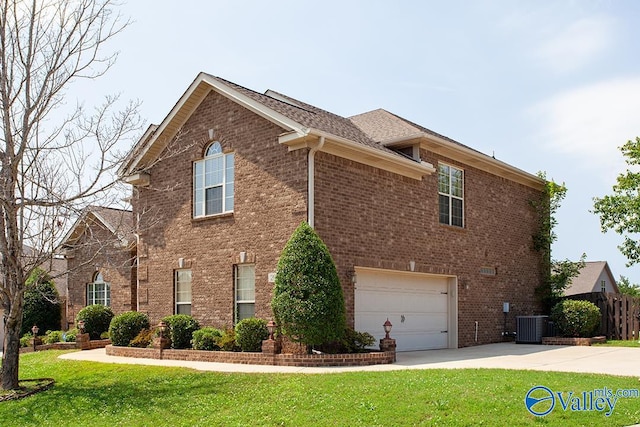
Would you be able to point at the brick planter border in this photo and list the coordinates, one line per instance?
(572, 341)
(89, 345)
(302, 360)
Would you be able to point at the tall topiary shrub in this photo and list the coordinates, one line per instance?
(97, 319)
(307, 299)
(181, 329)
(41, 303)
(126, 326)
(574, 318)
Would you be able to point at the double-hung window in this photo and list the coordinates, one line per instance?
(451, 195)
(245, 278)
(213, 182)
(98, 292)
(183, 291)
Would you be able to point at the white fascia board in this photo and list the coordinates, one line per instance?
(395, 163)
(226, 91)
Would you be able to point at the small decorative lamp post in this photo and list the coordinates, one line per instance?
(387, 328)
(271, 327)
(387, 343)
(34, 330)
(161, 342)
(81, 326)
(162, 326)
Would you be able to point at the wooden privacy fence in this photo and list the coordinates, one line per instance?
(620, 314)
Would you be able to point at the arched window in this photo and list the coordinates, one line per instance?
(213, 182)
(98, 291)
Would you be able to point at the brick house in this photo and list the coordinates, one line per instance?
(100, 253)
(424, 231)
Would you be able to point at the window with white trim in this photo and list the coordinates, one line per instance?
(245, 290)
(183, 291)
(213, 182)
(451, 195)
(98, 291)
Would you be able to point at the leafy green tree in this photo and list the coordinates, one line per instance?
(41, 303)
(558, 273)
(620, 211)
(627, 288)
(307, 300)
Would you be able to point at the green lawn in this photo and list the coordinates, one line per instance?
(93, 394)
(620, 343)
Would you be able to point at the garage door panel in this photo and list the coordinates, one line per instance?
(417, 306)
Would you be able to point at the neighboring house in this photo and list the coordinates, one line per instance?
(424, 231)
(100, 254)
(594, 277)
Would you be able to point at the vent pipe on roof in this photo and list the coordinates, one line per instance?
(310, 181)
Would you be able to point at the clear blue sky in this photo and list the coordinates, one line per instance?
(545, 85)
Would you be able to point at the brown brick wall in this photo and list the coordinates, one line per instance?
(270, 195)
(372, 218)
(99, 250)
(366, 216)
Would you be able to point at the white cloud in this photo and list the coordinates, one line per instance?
(575, 46)
(588, 124)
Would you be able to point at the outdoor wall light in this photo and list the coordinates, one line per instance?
(354, 278)
(243, 257)
(81, 326)
(412, 265)
(271, 327)
(387, 328)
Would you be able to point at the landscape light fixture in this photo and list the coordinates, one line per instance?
(81, 326)
(387, 328)
(271, 327)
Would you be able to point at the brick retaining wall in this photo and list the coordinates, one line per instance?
(572, 341)
(307, 360)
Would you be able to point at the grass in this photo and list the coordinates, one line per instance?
(620, 343)
(87, 393)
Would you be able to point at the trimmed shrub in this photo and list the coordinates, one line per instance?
(70, 335)
(181, 329)
(575, 318)
(25, 340)
(356, 342)
(126, 326)
(96, 318)
(307, 299)
(143, 339)
(206, 339)
(227, 342)
(41, 303)
(250, 333)
(52, 337)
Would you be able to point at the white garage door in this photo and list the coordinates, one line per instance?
(417, 305)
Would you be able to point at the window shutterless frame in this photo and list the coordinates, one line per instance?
(450, 195)
(244, 287)
(182, 291)
(213, 182)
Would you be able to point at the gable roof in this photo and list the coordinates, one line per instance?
(588, 278)
(366, 138)
(117, 221)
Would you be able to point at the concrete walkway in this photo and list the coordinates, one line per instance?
(601, 360)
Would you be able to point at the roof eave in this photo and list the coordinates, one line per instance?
(345, 148)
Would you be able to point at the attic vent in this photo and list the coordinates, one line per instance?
(488, 271)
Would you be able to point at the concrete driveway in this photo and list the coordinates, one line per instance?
(601, 360)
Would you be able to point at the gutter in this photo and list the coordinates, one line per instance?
(311, 181)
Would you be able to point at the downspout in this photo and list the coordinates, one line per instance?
(311, 182)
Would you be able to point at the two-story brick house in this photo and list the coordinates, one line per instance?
(424, 231)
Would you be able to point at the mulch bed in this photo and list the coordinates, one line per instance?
(27, 388)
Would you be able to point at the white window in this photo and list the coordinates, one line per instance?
(451, 195)
(603, 286)
(98, 292)
(245, 278)
(213, 182)
(183, 291)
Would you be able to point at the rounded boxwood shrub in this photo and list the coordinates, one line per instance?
(574, 318)
(52, 337)
(70, 335)
(250, 333)
(97, 319)
(181, 329)
(126, 326)
(206, 339)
